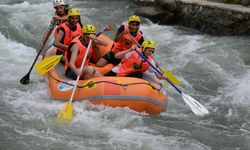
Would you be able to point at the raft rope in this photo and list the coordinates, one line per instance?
(91, 84)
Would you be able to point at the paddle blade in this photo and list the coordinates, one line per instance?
(26, 79)
(65, 114)
(195, 106)
(47, 64)
(171, 77)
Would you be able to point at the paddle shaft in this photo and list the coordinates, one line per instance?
(78, 77)
(154, 66)
(40, 51)
(158, 71)
(100, 32)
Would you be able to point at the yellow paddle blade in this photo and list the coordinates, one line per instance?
(171, 77)
(65, 114)
(45, 65)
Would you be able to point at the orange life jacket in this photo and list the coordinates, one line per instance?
(80, 56)
(133, 64)
(68, 35)
(126, 41)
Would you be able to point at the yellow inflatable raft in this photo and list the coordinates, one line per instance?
(137, 94)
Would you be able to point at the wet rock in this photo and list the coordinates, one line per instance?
(157, 15)
(207, 17)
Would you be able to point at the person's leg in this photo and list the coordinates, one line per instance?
(95, 73)
(107, 58)
(102, 62)
(69, 73)
(91, 72)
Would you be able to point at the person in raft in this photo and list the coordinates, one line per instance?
(132, 64)
(67, 31)
(76, 52)
(60, 16)
(123, 41)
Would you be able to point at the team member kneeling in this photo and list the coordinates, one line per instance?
(77, 50)
(132, 64)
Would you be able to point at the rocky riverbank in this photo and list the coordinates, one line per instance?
(209, 17)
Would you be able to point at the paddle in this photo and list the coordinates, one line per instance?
(195, 106)
(26, 79)
(169, 74)
(67, 112)
(43, 66)
(47, 64)
(107, 28)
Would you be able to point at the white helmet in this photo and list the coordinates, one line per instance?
(59, 3)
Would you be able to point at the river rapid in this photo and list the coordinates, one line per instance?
(213, 70)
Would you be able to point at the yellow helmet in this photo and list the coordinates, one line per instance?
(89, 29)
(74, 12)
(148, 44)
(134, 18)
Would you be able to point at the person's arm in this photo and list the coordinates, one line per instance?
(120, 33)
(53, 24)
(56, 20)
(74, 52)
(156, 62)
(160, 77)
(42, 43)
(47, 34)
(121, 54)
(98, 41)
(59, 38)
(107, 28)
(151, 69)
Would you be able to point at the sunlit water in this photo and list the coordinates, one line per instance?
(213, 70)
